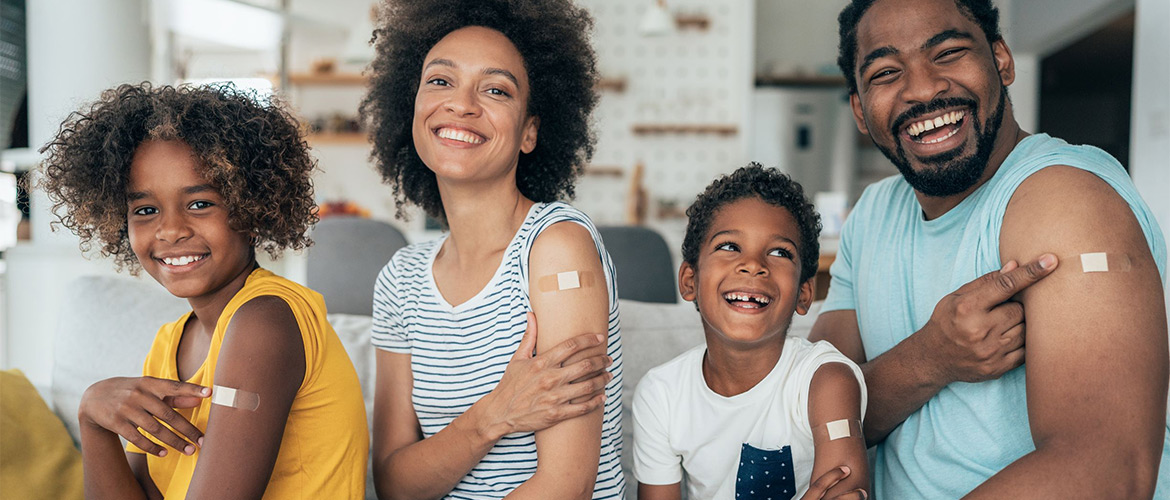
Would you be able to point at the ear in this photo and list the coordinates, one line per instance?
(805, 298)
(531, 125)
(1005, 64)
(858, 116)
(686, 281)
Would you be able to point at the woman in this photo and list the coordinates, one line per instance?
(479, 114)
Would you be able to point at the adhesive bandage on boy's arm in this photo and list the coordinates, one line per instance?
(839, 429)
(568, 280)
(1103, 262)
(234, 398)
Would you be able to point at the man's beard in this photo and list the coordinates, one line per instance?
(947, 174)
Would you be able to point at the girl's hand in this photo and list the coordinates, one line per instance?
(536, 392)
(123, 405)
(818, 488)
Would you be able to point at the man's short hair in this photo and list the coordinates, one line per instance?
(982, 12)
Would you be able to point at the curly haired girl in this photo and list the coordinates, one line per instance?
(186, 183)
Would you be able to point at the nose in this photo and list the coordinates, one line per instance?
(923, 84)
(172, 227)
(464, 101)
(752, 266)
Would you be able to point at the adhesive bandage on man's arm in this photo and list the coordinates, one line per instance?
(567, 280)
(234, 398)
(1102, 262)
(838, 429)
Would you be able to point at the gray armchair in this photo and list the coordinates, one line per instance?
(645, 271)
(345, 259)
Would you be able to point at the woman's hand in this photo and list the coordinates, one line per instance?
(122, 405)
(536, 392)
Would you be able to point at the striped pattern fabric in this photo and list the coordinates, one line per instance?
(458, 354)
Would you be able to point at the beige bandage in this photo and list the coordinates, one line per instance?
(839, 429)
(567, 280)
(1101, 262)
(235, 398)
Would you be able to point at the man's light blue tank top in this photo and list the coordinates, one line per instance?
(893, 267)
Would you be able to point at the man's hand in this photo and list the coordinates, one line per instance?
(977, 332)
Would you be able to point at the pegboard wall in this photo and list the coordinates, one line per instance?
(697, 76)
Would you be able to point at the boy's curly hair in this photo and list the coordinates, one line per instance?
(552, 37)
(251, 151)
(982, 12)
(769, 185)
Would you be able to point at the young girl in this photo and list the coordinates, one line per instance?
(187, 183)
(480, 115)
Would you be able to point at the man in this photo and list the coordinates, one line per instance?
(918, 296)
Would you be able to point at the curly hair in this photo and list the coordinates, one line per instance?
(981, 12)
(552, 37)
(249, 149)
(772, 187)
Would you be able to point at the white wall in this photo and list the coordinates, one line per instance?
(797, 36)
(75, 50)
(1149, 157)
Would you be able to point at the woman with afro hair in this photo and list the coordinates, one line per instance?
(480, 116)
(251, 393)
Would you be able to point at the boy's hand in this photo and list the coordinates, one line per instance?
(537, 392)
(816, 490)
(123, 405)
(977, 332)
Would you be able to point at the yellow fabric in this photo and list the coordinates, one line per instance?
(37, 456)
(324, 448)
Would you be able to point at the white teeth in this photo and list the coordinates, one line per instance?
(931, 124)
(743, 297)
(181, 261)
(459, 135)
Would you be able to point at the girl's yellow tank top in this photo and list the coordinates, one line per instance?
(325, 445)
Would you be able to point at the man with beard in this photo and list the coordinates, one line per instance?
(928, 297)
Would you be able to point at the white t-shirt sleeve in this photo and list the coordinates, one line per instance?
(819, 355)
(388, 332)
(655, 462)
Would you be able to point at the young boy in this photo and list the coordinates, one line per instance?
(753, 413)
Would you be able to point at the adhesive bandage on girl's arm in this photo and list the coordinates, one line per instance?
(234, 398)
(1102, 262)
(567, 280)
(838, 429)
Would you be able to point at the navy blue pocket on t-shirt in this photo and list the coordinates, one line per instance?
(765, 474)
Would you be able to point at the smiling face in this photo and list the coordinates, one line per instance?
(747, 280)
(178, 225)
(931, 92)
(471, 117)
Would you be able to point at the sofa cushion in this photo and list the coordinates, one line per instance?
(109, 328)
(38, 459)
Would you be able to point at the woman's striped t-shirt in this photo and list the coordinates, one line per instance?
(458, 354)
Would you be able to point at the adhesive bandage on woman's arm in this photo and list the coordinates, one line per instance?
(234, 398)
(838, 429)
(567, 280)
(1102, 262)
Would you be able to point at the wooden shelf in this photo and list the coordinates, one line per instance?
(612, 84)
(695, 21)
(327, 79)
(338, 138)
(668, 128)
(799, 81)
(604, 171)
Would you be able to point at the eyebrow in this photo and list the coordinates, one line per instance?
(201, 188)
(737, 232)
(934, 41)
(489, 71)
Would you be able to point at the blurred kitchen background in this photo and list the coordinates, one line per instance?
(691, 89)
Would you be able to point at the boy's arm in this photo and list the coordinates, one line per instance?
(263, 353)
(653, 457)
(659, 491)
(568, 452)
(835, 395)
(1097, 347)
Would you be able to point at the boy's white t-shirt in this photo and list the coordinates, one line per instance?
(757, 444)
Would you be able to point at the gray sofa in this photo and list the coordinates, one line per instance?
(111, 322)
